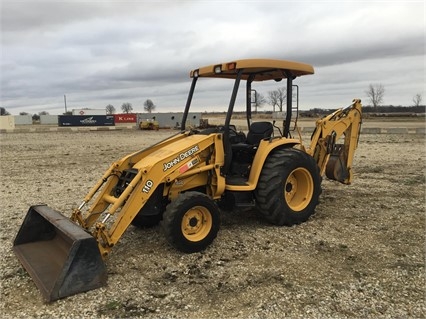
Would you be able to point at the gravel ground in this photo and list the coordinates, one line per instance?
(361, 255)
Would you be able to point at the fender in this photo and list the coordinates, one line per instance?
(265, 148)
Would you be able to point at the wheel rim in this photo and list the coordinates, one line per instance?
(196, 223)
(298, 189)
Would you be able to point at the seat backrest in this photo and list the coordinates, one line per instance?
(259, 131)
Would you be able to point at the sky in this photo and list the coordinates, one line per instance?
(111, 52)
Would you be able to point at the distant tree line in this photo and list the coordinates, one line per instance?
(127, 107)
(3, 111)
(35, 117)
(394, 109)
(278, 99)
(385, 109)
(375, 95)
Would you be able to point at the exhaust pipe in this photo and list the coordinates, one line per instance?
(60, 256)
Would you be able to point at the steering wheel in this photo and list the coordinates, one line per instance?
(231, 128)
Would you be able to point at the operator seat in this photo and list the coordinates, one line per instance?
(257, 132)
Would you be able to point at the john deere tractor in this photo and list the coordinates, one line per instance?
(182, 181)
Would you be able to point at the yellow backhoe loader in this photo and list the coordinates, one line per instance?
(149, 124)
(183, 180)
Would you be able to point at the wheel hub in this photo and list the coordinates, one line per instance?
(196, 223)
(193, 222)
(298, 189)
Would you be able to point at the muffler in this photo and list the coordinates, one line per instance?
(60, 256)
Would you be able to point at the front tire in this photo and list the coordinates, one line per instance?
(191, 222)
(289, 187)
(151, 213)
(142, 221)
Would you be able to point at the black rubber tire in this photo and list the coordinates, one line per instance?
(289, 187)
(191, 222)
(142, 221)
(152, 212)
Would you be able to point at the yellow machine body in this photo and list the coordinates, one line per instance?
(181, 180)
(149, 124)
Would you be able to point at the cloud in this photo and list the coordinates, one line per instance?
(125, 51)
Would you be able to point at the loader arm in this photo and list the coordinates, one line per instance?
(109, 179)
(333, 159)
(130, 182)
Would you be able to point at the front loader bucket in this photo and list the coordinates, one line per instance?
(60, 256)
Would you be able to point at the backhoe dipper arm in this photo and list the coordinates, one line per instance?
(336, 159)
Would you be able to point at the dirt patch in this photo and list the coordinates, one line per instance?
(361, 255)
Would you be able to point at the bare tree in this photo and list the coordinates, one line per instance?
(127, 107)
(43, 113)
(110, 109)
(277, 98)
(417, 99)
(273, 99)
(375, 94)
(259, 101)
(148, 106)
(3, 111)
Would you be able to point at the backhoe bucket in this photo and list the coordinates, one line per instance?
(60, 256)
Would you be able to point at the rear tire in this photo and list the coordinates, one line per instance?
(191, 222)
(289, 187)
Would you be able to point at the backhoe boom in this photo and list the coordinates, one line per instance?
(332, 158)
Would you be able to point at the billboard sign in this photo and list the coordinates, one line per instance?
(125, 118)
(86, 120)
